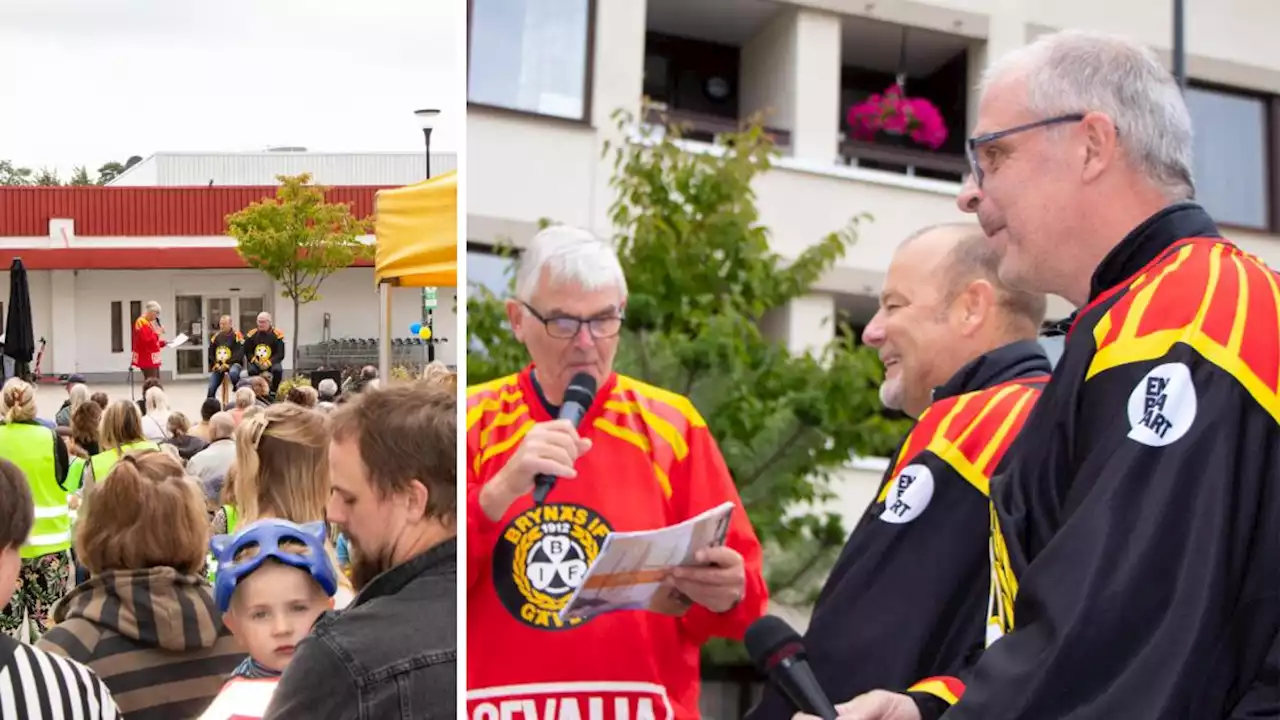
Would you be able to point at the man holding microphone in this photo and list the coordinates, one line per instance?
(641, 458)
(148, 341)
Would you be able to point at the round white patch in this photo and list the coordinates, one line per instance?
(909, 495)
(1162, 406)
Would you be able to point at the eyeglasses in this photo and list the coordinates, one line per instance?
(971, 147)
(567, 327)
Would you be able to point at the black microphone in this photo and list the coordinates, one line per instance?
(777, 652)
(577, 398)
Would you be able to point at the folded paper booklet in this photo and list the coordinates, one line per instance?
(178, 341)
(629, 570)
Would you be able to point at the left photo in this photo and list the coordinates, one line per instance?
(229, 348)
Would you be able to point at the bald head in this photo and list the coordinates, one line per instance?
(962, 254)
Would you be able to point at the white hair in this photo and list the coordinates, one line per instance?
(569, 254)
(78, 396)
(1077, 71)
(153, 306)
(328, 388)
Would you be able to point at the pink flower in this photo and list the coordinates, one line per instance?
(893, 112)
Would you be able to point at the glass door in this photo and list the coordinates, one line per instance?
(247, 309)
(189, 320)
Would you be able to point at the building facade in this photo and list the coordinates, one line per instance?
(543, 83)
(96, 255)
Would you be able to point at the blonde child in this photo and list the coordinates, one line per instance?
(274, 580)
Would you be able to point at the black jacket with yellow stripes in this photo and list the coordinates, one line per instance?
(906, 597)
(1139, 518)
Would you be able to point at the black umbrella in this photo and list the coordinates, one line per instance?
(19, 336)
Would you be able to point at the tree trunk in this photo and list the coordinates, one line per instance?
(296, 309)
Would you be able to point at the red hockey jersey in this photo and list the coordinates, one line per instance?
(146, 344)
(652, 463)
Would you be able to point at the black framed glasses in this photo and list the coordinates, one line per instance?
(972, 145)
(567, 327)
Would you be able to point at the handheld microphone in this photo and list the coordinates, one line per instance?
(577, 398)
(777, 652)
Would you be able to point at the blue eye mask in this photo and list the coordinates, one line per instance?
(268, 536)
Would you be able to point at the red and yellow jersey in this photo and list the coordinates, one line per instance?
(146, 344)
(653, 463)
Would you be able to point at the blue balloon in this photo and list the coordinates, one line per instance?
(414, 328)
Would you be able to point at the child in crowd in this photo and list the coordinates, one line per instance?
(274, 580)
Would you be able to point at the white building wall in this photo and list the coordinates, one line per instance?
(80, 300)
(261, 168)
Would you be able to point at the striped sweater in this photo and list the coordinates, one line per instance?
(34, 683)
(155, 637)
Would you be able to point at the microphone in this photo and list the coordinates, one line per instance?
(577, 398)
(777, 652)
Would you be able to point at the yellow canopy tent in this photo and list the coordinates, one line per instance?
(416, 227)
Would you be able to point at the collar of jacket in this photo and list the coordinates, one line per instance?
(442, 557)
(1020, 359)
(1145, 243)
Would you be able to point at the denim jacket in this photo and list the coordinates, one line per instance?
(391, 655)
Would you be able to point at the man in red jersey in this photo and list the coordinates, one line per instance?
(642, 458)
(147, 341)
(1135, 548)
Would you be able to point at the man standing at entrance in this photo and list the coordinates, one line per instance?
(226, 355)
(264, 350)
(147, 341)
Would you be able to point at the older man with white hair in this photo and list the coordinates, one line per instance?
(641, 458)
(1135, 541)
(148, 340)
(264, 351)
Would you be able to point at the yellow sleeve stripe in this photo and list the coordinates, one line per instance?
(501, 447)
(678, 403)
(664, 429)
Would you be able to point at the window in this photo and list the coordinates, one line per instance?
(117, 327)
(489, 270)
(1230, 155)
(135, 311)
(531, 55)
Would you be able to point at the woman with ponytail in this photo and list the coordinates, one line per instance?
(46, 555)
(282, 471)
(146, 621)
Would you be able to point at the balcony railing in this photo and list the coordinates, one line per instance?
(911, 161)
(701, 127)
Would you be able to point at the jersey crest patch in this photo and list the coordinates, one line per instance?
(909, 494)
(1162, 406)
(541, 558)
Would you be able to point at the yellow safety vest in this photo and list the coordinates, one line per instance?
(30, 447)
(107, 459)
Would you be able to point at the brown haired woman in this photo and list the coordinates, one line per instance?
(121, 433)
(146, 621)
(46, 556)
(282, 471)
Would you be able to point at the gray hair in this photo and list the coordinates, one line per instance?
(152, 306)
(245, 397)
(328, 388)
(221, 426)
(569, 254)
(1076, 71)
(79, 395)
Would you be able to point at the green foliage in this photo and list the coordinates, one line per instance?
(702, 278)
(288, 384)
(11, 174)
(299, 239)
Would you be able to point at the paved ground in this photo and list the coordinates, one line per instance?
(184, 396)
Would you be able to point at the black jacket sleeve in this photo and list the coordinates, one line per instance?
(277, 349)
(213, 349)
(1157, 596)
(61, 461)
(1262, 701)
(237, 350)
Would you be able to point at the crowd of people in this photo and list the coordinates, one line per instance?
(175, 566)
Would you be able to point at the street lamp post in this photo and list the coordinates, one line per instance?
(427, 118)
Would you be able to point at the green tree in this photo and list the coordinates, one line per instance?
(11, 175)
(80, 176)
(702, 277)
(299, 239)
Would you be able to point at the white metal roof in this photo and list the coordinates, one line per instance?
(261, 168)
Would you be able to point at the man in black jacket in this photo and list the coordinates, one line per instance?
(393, 652)
(1136, 554)
(264, 351)
(905, 601)
(226, 355)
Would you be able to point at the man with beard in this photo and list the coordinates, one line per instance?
(1136, 555)
(392, 651)
(903, 604)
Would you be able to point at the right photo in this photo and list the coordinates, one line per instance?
(874, 361)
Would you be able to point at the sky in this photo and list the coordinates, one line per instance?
(91, 81)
